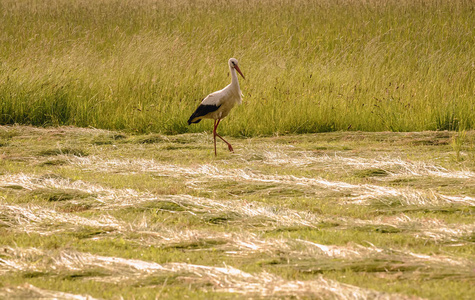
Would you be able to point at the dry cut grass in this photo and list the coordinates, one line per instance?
(328, 216)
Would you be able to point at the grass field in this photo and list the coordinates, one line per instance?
(104, 214)
(311, 66)
(354, 170)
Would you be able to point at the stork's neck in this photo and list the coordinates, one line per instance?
(234, 78)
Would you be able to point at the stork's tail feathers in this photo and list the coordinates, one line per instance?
(190, 120)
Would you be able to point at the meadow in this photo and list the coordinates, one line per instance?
(311, 66)
(353, 175)
(96, 214)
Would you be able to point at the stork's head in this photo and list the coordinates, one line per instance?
(233, 64)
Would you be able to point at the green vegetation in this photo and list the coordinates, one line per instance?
(311, 66)
(146, 216)
(130, 202)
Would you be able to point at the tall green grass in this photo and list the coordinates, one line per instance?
(311, 66)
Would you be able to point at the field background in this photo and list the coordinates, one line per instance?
(353, 175)
(311, 66)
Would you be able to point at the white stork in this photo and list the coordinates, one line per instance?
(217, 105)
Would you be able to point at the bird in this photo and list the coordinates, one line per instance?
(217, 105)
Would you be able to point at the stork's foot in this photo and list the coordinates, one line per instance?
(230, 148)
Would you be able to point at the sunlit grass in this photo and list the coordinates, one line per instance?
(282, 209)
(311, 66)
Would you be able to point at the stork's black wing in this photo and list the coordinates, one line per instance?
(201, 111)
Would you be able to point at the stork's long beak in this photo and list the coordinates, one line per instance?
(239, 71)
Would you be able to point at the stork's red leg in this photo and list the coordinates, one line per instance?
(216, 134)
(229, 145)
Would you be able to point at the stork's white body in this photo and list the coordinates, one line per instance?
(225, 99)
(217, 105)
